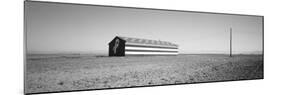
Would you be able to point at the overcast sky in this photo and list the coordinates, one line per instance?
(60, 28)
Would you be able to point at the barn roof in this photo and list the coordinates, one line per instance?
(147, 41)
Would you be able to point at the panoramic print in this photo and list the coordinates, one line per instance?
(73, 47)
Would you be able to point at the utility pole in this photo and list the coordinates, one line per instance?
(230, 51)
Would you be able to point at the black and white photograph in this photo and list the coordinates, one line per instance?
(77, 47)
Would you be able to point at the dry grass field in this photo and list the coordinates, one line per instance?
(63, 72)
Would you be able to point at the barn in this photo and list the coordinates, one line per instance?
(124, 46)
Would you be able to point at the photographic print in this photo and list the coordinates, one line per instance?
(77, 47)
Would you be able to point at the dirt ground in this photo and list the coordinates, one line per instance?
(63, 72)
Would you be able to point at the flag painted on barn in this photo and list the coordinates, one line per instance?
(124, 46)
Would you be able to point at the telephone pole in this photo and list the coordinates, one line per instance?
(230, 51)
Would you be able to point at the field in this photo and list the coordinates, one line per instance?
(63, 72)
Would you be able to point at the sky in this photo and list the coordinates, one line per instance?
(68, 28)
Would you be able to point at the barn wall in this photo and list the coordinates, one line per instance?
(149, 50)
(120, 48)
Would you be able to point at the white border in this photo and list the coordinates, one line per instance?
(11, 39)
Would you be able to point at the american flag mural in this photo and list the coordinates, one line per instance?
(123, 46)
